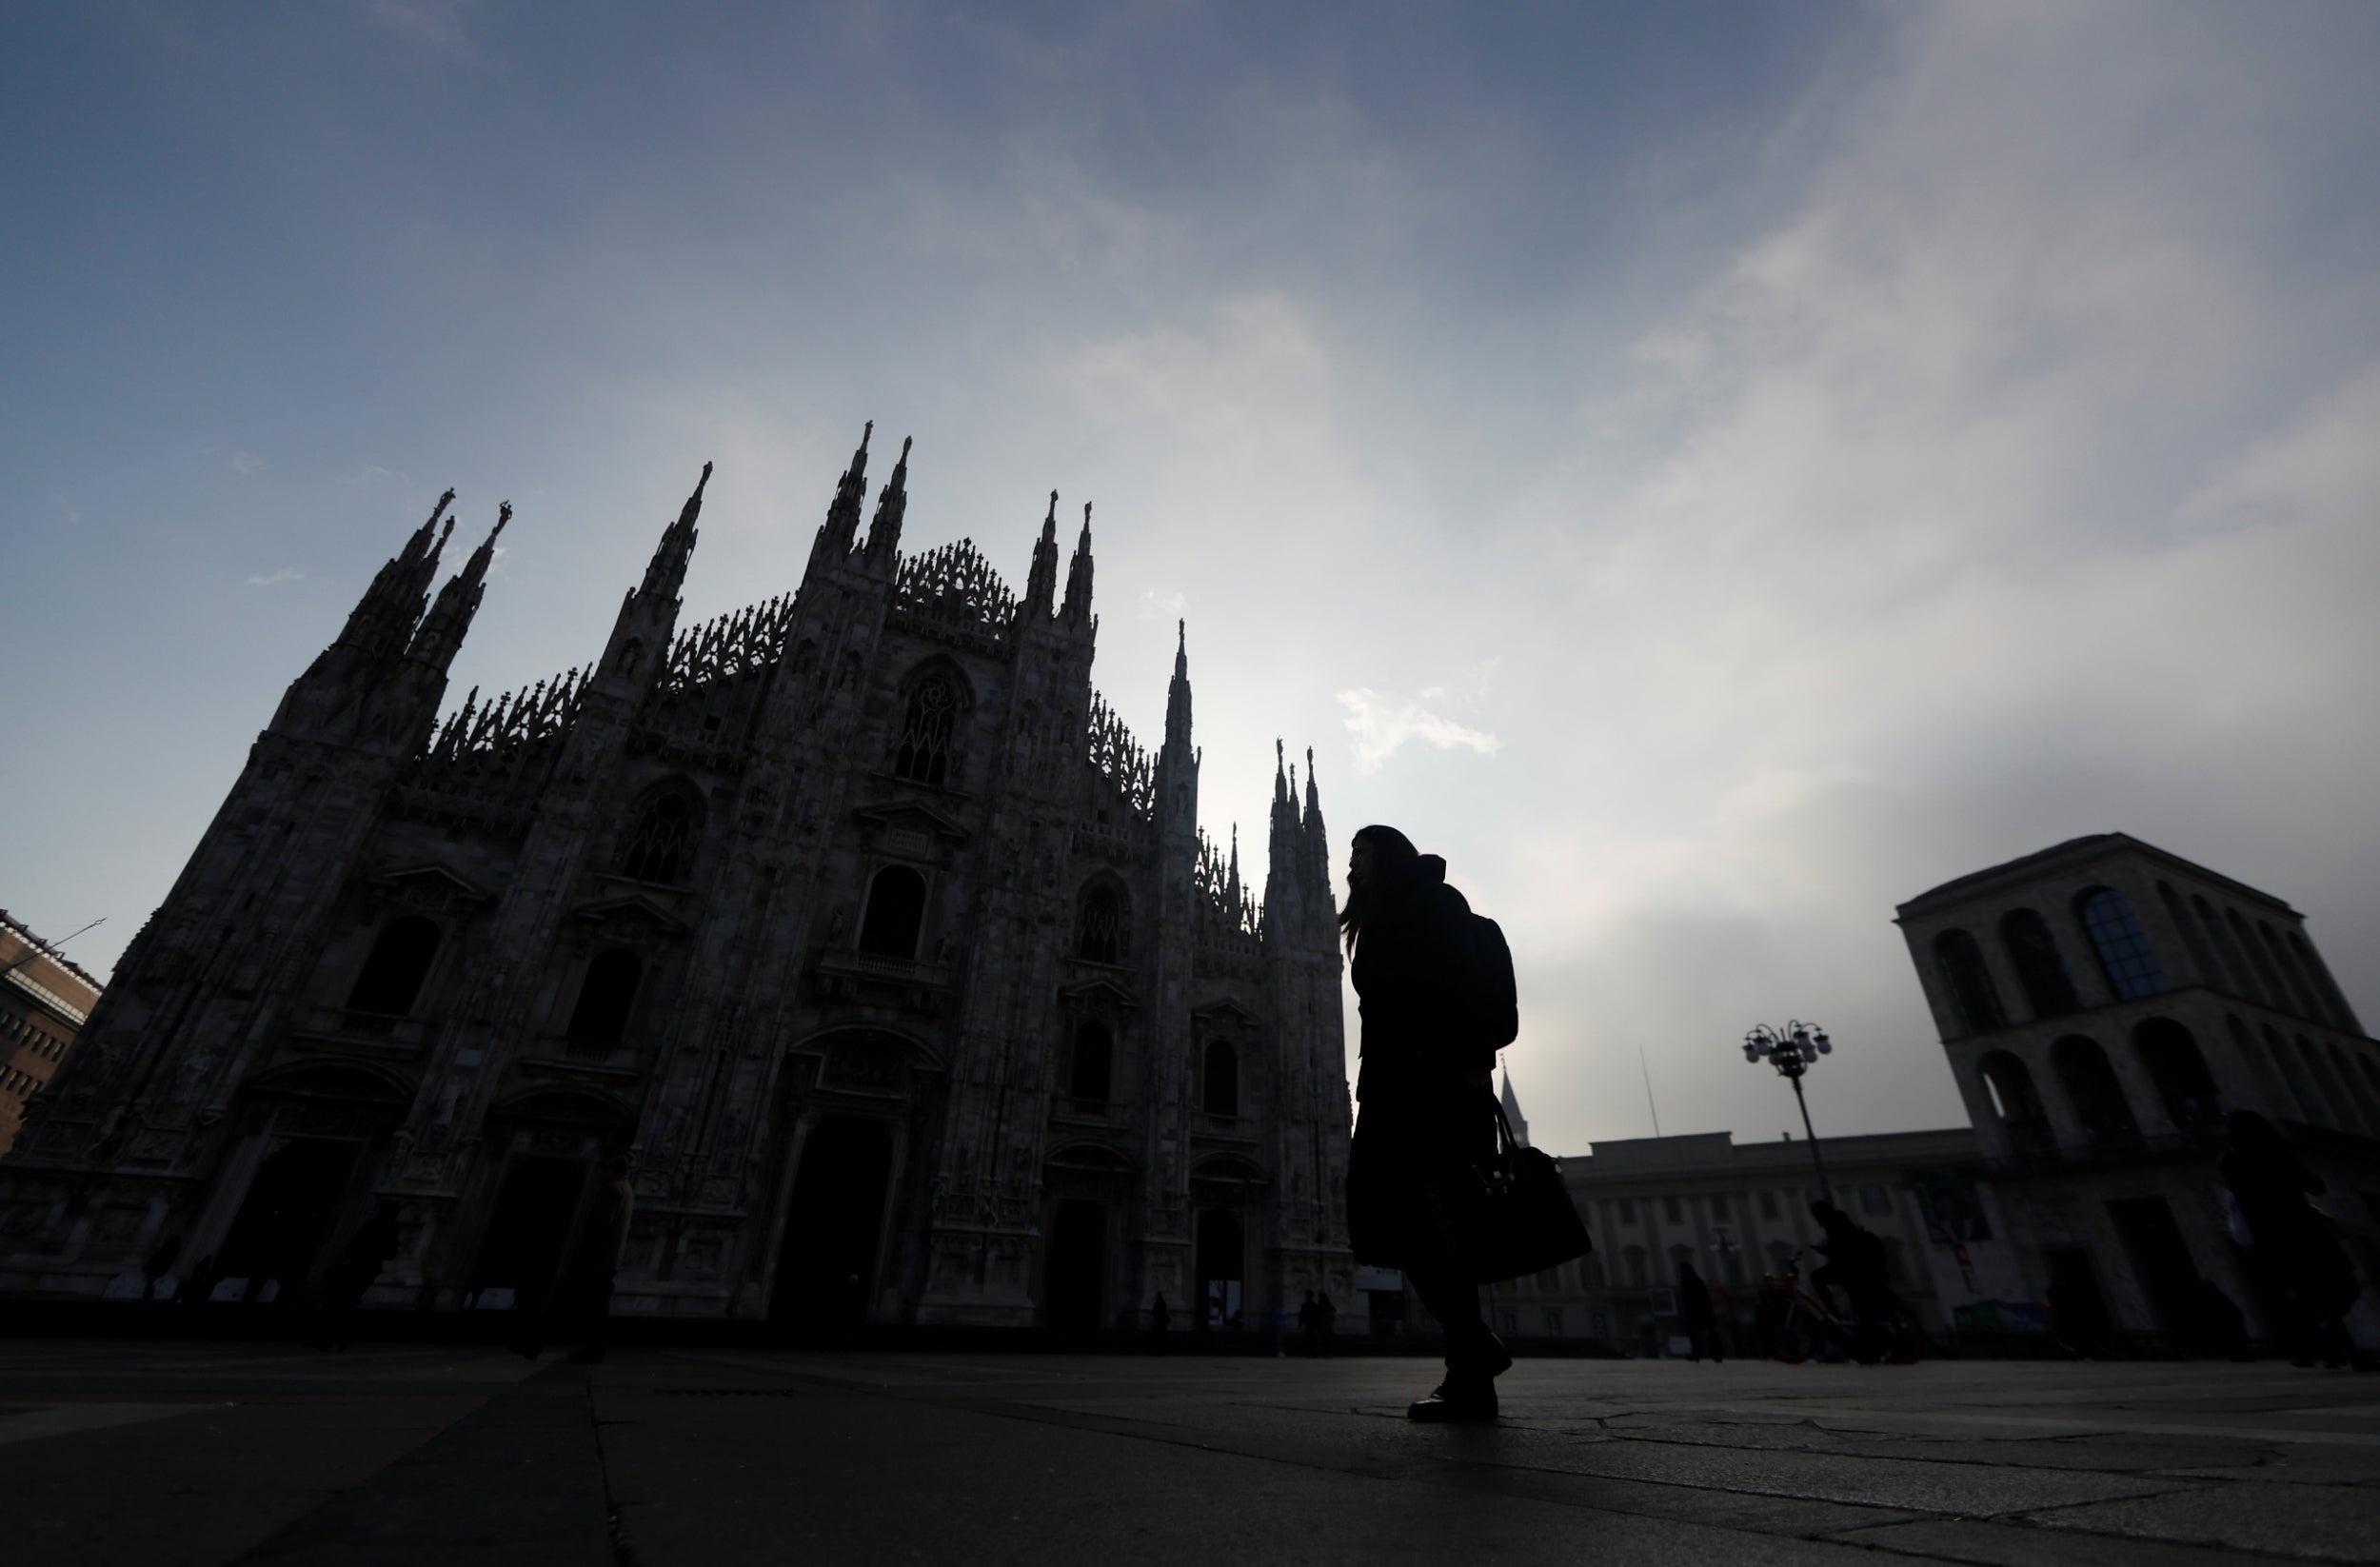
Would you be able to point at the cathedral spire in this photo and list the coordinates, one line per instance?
(667, 573)
(1177, 695)
(384, 616)
(1281, 775)
(883, 533)
(1078, 609)
(843, 514)
(1041, 584)
(443, 629)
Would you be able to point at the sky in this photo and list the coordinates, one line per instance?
(1711, 471)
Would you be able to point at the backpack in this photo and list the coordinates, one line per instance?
(1489, 1013)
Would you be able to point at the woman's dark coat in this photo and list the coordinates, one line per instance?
(1428, 1118)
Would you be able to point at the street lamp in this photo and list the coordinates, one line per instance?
(1793, 1051)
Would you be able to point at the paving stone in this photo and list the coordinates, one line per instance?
(2321, 1523)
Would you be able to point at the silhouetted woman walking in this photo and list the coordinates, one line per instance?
(1428, 1122)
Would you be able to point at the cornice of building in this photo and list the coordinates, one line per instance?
(2072, 854)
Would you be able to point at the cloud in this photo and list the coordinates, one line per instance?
(433, 24)
(287, 574)
(74, 518)
(1381, 726)
(1163, 606)
(246, 463)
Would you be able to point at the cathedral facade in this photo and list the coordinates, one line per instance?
(898, 970)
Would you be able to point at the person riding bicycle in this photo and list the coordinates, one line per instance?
(1855, 1258)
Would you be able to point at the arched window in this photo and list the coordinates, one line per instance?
(1632, 1257)
(1221, 1084)
(398, 961)
(922, 751)
(2091, 1088)
(2309, 1100)
(2125, 957)
(1679, 1257)
(1591, 1272)
(2269, 982)
(2201, 960)
(1977, 999)
(2365, 1110)
(662, 843)
(2049, 989)
(2179, 1070)
(2241, 983)
(2319, 972)
(2296, 985)
(2279, 1102)
(2332, 1106)
(1094, 1050)
(2009, 1086)
(895, 911)
(600, 1019)
(1100, 926)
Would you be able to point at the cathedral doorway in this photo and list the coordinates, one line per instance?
(1221, 1268)
(826, 1264)
(1077, 1259)
(521, 1249)
(286, 1216)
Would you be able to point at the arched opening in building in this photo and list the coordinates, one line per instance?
(2126, 960)
(393, 971)
(1077, 1265)
(2357, 1093)
(1973, 995)
(895, 912)
(2008, 1083)
(2201, 956)
(1221, 1268)
(2095, 1092)
(286, 1216)
(2040, 968)
(2280, 1098)
(1219, 1094)
(2237, 977)
(827, 1263)
(2330, 1105)
(2178, 1068)
(1089, 1073)
(528, 1227)
(599, 1020)
(2308, 1098)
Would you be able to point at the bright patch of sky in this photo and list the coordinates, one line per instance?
(1711, 471)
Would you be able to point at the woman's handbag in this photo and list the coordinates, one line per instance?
(1522, 1218)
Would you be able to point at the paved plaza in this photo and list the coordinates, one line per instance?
(167, 1453)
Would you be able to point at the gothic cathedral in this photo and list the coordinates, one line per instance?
(898, 971)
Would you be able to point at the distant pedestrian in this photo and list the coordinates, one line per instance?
(1696, 1312)
(1160, 1320)
(2294, 1249)
(357, 1267)
(160, 1263)
(1434, 982)
(1855, 1261)
(198, 1286)
(1329, 1324)
(1309, 1325)
(578, 1308)
(1279, 1315)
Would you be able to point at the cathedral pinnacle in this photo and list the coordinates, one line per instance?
(1078, 607)
(667, 573)
(892, 503)
(842, 515)
(1177, 696)
(1040, 582)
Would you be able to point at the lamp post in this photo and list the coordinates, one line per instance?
(1793, 1051)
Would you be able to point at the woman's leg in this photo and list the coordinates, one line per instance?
(1472, 1352)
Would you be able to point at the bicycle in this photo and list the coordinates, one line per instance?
(1795, 1322)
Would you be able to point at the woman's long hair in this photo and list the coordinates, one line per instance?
(1393, 857)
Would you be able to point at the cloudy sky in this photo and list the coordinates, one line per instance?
(1712, 472)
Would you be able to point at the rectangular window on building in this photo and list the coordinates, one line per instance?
(1768, 1204)
(1718, 1210)
(1670, 1208)
(1554, 1321)
(1548, 1280)
(1874, 1199)
(1628, 1210)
